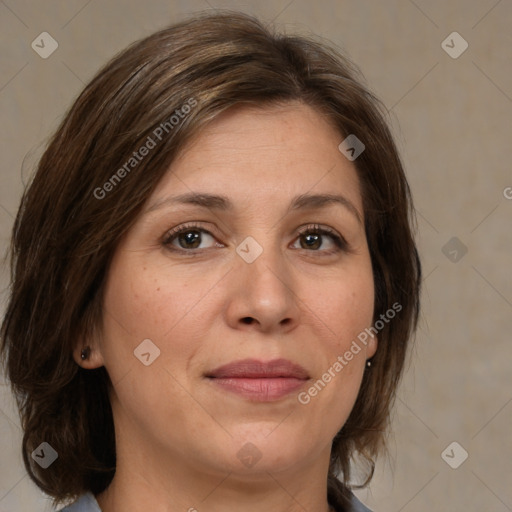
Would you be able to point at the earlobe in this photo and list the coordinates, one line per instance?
(88, 357)
(85, 353)
(371, 347)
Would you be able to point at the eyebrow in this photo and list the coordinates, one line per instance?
(222, 203)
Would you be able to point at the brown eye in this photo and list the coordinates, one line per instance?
(311, 241)
(188, 238)
(314, 238)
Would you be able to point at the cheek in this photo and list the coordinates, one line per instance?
(147, 300)
(138, 306)
(346, 305)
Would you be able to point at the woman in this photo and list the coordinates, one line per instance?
(214, 279)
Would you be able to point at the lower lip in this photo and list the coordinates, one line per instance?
(260, 390)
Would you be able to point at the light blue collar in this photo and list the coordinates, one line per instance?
(86, 503)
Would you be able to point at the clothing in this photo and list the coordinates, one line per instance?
(87, 503)
(357, 506)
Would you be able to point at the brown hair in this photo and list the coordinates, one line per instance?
(80, 203)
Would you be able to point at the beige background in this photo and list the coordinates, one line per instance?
(452, 121)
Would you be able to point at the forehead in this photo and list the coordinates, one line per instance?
(271, 152)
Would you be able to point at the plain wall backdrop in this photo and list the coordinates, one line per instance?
(450, 108)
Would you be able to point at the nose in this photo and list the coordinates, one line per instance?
(263, 294)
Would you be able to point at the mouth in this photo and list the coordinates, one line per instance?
(259, 381)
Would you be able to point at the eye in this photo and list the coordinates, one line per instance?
(313, 238)
(188, 237)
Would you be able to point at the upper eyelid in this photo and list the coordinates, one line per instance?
(301, 229)
(183, 228)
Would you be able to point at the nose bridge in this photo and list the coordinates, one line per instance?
(264, 281)
(261, 260)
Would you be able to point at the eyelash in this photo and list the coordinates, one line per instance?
(340, 242)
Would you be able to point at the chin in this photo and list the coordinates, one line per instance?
(270, 448)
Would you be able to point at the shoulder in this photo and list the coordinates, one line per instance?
(357, 506)
(348, 502)
(342, 499)
(86, 503)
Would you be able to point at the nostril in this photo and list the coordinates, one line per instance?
(247, 320)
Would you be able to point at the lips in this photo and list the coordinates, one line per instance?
(258, 380)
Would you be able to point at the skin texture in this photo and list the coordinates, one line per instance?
(178, 433)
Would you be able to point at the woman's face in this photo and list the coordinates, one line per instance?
(250, 286)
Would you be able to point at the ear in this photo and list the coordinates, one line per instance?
(371, 346)
(94, 357)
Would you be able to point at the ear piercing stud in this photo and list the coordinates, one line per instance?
(86, 352)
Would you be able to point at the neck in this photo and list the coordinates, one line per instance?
(153, 474)
(169, 484)
(226, 495)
